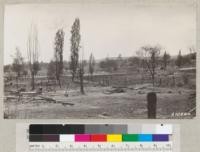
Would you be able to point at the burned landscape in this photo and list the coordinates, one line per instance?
(83, 85)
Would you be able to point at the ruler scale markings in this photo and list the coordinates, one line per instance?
(121, 147)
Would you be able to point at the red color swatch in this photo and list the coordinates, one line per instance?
(98, 137)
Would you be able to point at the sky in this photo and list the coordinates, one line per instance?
(107, 29)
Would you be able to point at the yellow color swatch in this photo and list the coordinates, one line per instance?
(114, 138)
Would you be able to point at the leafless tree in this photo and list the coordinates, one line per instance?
(150, 56)
(33, 53)
(18, 64)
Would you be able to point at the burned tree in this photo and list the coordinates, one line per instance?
(33, 55)
(18, 64)
(75, 45)
(81, 76)
(91, 65)
(150, 56)
(59, 44)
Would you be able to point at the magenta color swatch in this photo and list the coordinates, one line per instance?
(82, 137)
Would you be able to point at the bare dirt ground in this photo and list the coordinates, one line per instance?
(173, 103)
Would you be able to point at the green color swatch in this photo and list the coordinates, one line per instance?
(130, 137)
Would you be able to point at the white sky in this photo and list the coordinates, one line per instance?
(106, 29)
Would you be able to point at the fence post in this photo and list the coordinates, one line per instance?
(151, 105)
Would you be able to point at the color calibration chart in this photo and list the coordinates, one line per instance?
(97, 137)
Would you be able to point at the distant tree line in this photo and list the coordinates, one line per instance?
(150, 59)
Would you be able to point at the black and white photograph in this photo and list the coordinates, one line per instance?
(93, 60)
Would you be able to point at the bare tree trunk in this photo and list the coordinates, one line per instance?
(81, 81)
(32, 52)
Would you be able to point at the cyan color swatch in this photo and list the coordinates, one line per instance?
(145, 137)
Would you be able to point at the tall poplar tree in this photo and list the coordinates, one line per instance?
(75, 46)
(59, 44)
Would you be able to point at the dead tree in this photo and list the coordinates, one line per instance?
(33, 55)
(150, 56)
(18, 64)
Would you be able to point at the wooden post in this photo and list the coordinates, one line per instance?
(151, 105)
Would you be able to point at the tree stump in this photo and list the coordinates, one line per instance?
(151, 105)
